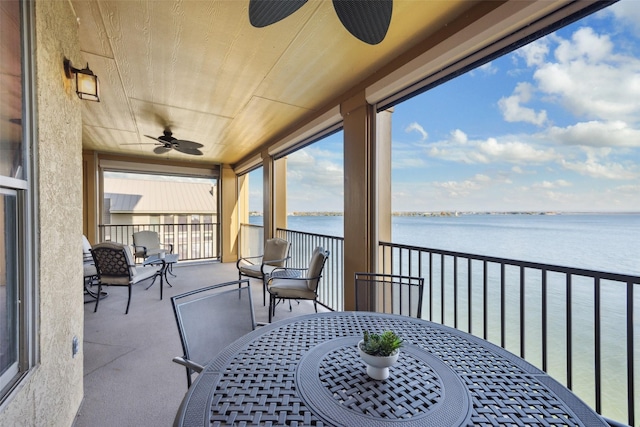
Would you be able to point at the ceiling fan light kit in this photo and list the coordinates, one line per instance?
(367, 20)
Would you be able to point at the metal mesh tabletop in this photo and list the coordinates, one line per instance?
(306, 371)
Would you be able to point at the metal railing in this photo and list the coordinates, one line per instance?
(191, 241)
(331, 292)
(576, 324)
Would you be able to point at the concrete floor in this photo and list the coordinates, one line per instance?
(129, 377)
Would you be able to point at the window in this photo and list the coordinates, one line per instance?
(8, 287)
(15, 334)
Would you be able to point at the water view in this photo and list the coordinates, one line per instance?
(603, 242)
(600, 242)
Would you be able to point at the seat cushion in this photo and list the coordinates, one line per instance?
(291, 288)
(89, 269)
(254, 270)
(143, 273)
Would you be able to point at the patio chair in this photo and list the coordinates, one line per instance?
(388, 293)
(211, 318)
(305, 286)
(115, 266)
(147, 243)
(276, 254)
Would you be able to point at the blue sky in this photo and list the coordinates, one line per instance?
(553, 126)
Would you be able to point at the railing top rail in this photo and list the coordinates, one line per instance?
(526, 264)
(326, 236)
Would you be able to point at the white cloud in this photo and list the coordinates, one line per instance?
(415, 127)
(552, 184)
(315, 180)
(626, 13)
(513, 111)
(591, 167)
(590, 80)
(597, 134)
(534, 53)
(489, 68)
(460, 149)
(457, 189)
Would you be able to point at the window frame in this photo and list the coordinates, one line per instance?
(26, 221)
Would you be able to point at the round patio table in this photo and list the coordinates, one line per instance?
(306, 371)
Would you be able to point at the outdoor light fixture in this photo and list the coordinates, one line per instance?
(86, 81)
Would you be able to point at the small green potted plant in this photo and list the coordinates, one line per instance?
(379, 352)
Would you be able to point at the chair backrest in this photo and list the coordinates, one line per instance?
(86, 247)
(276, 249)
(146, 238)
(316, 264)
(211, 318)
(113, 260)
(87, 258)
(388, 293)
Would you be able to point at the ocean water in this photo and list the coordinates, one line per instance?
(603, 242)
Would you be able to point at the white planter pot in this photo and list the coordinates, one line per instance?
(378, 366)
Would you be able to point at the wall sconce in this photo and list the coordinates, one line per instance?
(86, 81)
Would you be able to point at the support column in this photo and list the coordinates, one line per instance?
(234, 196)
(90, 193)
(360, 237)
(280, 193)
(268, 202)
(383, 172)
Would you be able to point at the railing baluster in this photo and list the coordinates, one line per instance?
(485, 311)
(544, 320)
(455, 292)
(598, 355)
(569, 318)
(503, 317)
(469, 294)
(630, 356)
(431, 286)
(522, 313)
(442, 275)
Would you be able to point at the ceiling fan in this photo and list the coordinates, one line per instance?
(367, 20)
(168, 142)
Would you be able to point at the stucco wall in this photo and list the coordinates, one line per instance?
(52, 393)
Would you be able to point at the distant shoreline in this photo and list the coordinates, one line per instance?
(459, 213)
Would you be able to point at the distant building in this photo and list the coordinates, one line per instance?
(134, 201)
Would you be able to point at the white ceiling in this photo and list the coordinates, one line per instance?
(200, 69)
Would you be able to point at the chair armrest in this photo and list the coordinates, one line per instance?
(289, 268)
(137, 247)
(189, 364)
(275, 261)
(169, 245)
(247, 258)
(293, 278)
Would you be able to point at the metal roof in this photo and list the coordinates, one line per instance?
(160, 196)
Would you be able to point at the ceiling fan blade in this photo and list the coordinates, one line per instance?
(267, 12)
(154, 138)
(366, 20)
(161, 149)
(187, 144)
(192, 151)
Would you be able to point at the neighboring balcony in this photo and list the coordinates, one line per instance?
(192, 241)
